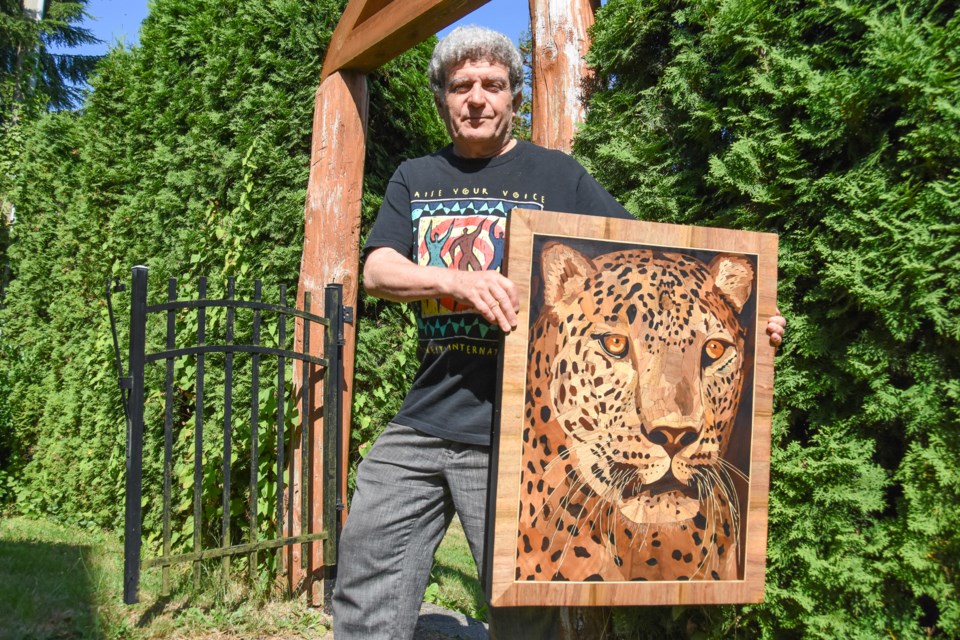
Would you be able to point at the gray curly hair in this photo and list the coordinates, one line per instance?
(473, 42)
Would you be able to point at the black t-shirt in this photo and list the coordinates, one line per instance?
(447, 211)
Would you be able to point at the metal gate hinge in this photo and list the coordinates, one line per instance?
(126, 383)
(348, 314)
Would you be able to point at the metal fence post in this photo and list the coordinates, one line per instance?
(133, 520)
(332, 418)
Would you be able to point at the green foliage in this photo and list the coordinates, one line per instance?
(836, 125)
(387, 362)
(31, 74)
(453, 579)
(190, 156)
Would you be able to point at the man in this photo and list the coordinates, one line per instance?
(438, 239)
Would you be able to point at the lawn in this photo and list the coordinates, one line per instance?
(60, 582)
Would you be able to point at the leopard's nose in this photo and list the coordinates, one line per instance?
(672, 439)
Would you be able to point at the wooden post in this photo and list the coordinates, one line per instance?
(560, 75)
(331, 254)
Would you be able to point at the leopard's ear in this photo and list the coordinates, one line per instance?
(733, 276)
(564, 270)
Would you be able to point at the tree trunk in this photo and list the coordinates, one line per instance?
(560, 76)
(331, 254)
(585, 623)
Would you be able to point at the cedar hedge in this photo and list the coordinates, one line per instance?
(836, 125)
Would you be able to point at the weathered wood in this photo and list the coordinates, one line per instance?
(331, 253)
(560, 75)
(373, 32)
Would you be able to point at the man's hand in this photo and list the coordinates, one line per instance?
(490, 293)
(389, 275)
(776, 327)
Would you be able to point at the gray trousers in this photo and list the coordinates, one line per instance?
(408, 488)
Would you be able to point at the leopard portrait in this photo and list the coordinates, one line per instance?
(634, 380)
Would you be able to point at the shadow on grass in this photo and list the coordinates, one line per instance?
(157, 609)
(46, 591)
(469, 582)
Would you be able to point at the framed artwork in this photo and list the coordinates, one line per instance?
(632, 454)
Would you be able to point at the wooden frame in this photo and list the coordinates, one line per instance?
(619, 405)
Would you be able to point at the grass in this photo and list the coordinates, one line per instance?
(63, 583)
(60, 582)
(453, 581)
(49, 583)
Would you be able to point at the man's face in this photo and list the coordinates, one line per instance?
(479, 108)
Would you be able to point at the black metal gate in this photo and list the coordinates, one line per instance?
(134, 391)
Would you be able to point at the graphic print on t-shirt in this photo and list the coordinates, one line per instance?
(467, 243)
(468, 235)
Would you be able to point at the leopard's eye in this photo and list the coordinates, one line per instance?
(614, 344)
(713, 350)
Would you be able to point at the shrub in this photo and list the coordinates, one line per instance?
(836, 125)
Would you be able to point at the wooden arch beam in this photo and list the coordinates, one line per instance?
(373, 32)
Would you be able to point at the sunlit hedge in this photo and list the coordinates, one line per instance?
(190, 156)
(836, 125)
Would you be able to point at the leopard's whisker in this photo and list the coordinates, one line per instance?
(733, 509)
(574, 486)
(733, 499)
(577, 448)
(570, 540)
(619, 482)
(730, 467)
(735, 502)
(609, 496)
(574, 483)
(705, 496)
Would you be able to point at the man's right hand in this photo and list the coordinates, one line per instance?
(388, 274)
(493, 295)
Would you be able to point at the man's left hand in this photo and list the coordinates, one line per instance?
(776, 327)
